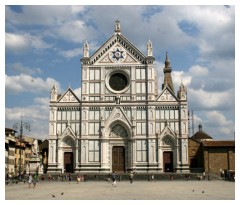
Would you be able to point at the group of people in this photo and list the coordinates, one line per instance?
(61, 177)
(80, 178)
(32, 179)
(114, 180)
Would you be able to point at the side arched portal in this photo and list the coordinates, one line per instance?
(68, 153)
(169, 155)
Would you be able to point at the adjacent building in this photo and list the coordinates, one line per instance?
(18, 153)
(210, 156)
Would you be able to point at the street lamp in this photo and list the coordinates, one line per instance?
(57, 148)
(20, 126)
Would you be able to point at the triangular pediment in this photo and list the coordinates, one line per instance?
(68, 96)
(167, 95)
(68, 132)
(118, 114)
(167, 131)
(117, 50)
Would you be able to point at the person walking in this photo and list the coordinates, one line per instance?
(114, 183)
(131, 177)
(78, 179)
(204, 176)
(30, 179)
(34, 180)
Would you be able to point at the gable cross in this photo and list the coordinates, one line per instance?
(167, 93)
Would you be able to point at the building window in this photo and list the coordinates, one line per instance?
(64, 115)
(141, 150)
(140, 88)
(94, 74)
(73, 115)
(176, 114)
(141, 128)
(140, 74)
(94, 88)
(93, 151)
(94, 115)
(160, 126)
(141, 115)
(93, 128)
(171, 114)
(139, 98)
(68, 115)
(162, 114)
(128, 112)
(150, 72)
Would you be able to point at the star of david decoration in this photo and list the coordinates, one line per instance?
(117, 54)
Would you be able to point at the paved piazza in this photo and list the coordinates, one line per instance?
(138, 190)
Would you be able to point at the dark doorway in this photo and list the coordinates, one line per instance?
(68, 162)
(168, 161)
(118, 159)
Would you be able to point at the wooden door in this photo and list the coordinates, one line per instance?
(68, 162)
(118, 159)
(168, 161)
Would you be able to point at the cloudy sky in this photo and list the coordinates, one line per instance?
(43, 45)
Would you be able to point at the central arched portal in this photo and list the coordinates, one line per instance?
(118, 158)
(119, 141)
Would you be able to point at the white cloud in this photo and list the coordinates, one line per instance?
(42, 101)
(203, 100)
(64, 22)
(71, 53)
(179, 77)
(216, 117)
(19, 43)
(198, 71)
(218, 126)
(75, 31)
(77, 9)
(214, 123)
(16, 43)
(46, 15)
(19, 68)
(37, 42)
(26, 83)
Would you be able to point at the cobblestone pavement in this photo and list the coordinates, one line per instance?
(138, 190)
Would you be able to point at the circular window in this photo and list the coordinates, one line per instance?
(117, 81)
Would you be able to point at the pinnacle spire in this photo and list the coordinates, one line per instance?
(167, 74)
(149, 48)
(117, 26)
(167, 62)
(86, 50)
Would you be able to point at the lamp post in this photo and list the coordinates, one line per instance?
(20, 126)
(57, 149)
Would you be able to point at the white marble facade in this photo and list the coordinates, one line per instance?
(122, 121)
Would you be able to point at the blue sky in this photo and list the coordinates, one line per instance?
(43, 45)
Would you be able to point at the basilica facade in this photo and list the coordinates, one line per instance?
(123, 120)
